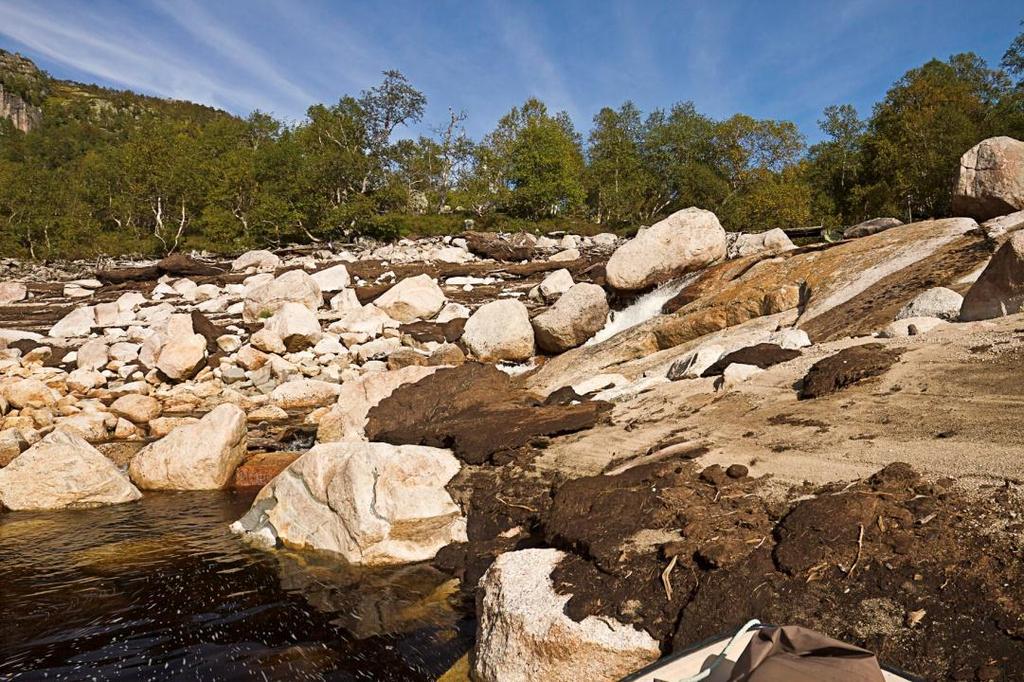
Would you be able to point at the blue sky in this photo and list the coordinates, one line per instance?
(769, 59)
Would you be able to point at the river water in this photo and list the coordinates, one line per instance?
(161, 590)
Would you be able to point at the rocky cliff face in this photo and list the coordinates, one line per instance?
(23, 115)
(22, 90)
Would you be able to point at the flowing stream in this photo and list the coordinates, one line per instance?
(642, 309)
(161, 590)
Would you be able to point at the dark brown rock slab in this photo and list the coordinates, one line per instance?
(848, 366)
(761, 355)
(475, 411)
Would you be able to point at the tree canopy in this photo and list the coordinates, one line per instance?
(115, 172)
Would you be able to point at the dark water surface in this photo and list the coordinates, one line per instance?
(161, 590)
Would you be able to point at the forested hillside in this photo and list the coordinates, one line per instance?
(112, 172)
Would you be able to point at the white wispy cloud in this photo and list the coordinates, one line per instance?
(112, 50)
(211, 32)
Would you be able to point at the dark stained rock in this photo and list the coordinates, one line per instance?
(439, 332)
(180, 265)
(519, 246)
(623, 529)
(202, 325)
(122, 275)
(474, 410)
(870, 227)
(847, 367)
(760, 355)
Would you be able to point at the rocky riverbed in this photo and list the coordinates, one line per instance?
(607, 449)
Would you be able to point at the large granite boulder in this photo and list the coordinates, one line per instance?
(372, 503)
(500, 330)
(575, 317)
(413, 298)
(523, 634)
(687, 240)
(181, 352)
(198, 456)
(1000, 287)
(62, 471)
(294, 286)
(296, 325)
(263, 261)
(991, 180)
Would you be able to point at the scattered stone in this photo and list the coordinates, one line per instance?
(12, 292)
(263, 261)
(334, 278)
(911, 326)
(140, 409)
(79, 322)
(295, 325)
(737, 373)
(413, 298)
(790, 338)
(555, 284)
(93, 354)
(29, 393)
(294, 286)
(182, 352)
(305, 393)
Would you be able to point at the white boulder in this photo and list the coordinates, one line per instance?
(296, 326)
(263, 261)
(936, 302)
(372, 503)
(62, 471)
(413, 298)
(294, 286)
(334, 278)
(523, 634)
(686, 240)
(500, 330)
(576, 316)
(199, 456)
(79, 322)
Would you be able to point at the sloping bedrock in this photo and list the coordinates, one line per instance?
(851, 288)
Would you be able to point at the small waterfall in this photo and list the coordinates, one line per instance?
(642, 309)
